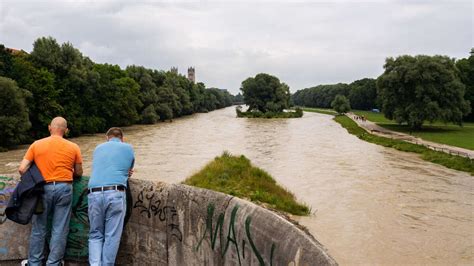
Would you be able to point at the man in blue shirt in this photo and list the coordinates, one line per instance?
(112, 165)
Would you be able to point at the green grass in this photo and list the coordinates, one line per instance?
(447, 134)
(325, 111)
(236, 176)
(450, 161)
(437, 132)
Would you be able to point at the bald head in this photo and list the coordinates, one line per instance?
(59, 122)
(58, 126)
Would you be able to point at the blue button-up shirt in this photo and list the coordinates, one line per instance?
(111, 162)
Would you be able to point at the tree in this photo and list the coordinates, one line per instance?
(238, 99)
(466, 73)
(14, 122)
(363, 94)
(149, 115)
(164, 111)
(341, 104)
(44, 103)
(5, 61)
(320, 96)
(148, 93)
(265, 93)
(422, 88)
(118, 95)
(47, 53)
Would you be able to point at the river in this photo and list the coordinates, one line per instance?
(371, 205)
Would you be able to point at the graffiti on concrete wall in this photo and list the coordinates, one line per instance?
(215, 231)
(6, 189)
(7, 185)
(150, 205)
(77, 244)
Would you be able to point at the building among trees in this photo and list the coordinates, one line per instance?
(192, 74)
(14, 51)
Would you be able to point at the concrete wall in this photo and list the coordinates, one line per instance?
(12, 236)
(174, 224)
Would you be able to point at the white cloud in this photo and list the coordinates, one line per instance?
(305, 43)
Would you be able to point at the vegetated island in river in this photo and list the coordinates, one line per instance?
(235, 175)
(269, 114)
(266, 97)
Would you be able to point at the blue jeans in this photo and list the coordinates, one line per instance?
(106, 217)
(57, 200)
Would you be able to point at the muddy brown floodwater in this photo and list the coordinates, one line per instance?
(371, 205)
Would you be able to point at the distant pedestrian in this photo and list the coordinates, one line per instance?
(112, 165)
(58, 161)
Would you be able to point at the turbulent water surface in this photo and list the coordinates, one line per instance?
(371, 204)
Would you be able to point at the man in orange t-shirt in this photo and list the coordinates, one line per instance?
(58, 161)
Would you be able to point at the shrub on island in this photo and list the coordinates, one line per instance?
(266, 97)
(258, 114)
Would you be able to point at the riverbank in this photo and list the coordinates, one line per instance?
(236, 176)
(450, 161)
(453, 135)
(375, 129)
(320, 110)
(438, 132)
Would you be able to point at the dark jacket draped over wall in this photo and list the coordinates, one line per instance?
(27, 197)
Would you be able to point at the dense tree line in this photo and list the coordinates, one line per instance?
(57, 79)
(412, 90)
(320, 96)
(362, 94)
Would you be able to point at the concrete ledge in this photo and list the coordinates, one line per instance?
(173, 224)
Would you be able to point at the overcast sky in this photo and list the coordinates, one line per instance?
(304, 43)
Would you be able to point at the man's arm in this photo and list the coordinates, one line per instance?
(24, 166)
(130, 171)
(27, 160)
(78, 170)
(78, 163)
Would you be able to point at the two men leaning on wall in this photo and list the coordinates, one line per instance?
(59, 161)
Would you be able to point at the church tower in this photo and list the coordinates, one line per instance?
(191, 74)
(174, 70)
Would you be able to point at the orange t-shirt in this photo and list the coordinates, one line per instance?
(55, 157)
